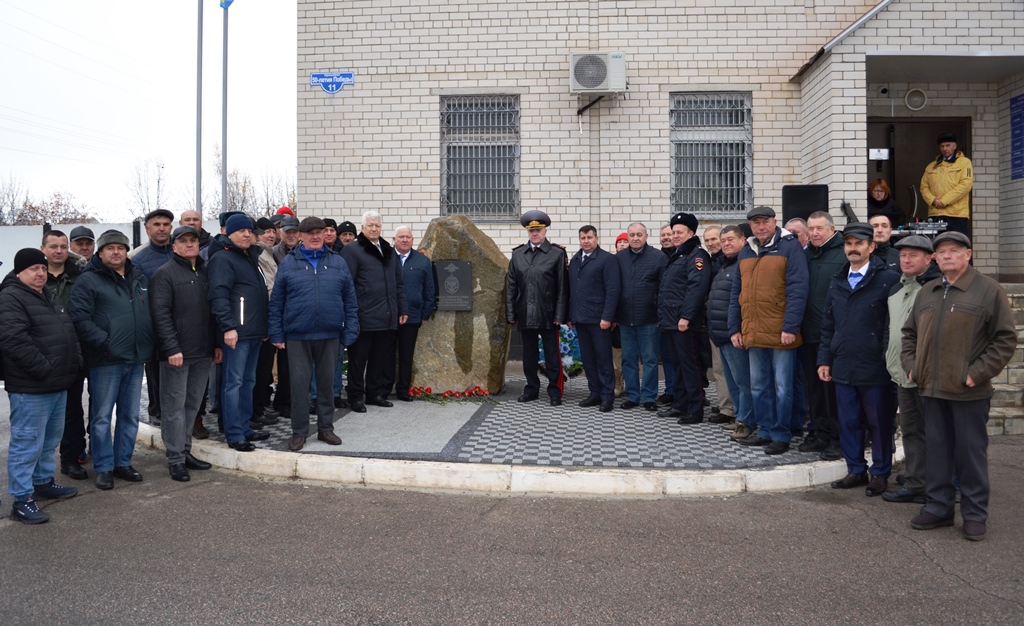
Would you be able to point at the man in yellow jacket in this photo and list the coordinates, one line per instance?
(946, 186)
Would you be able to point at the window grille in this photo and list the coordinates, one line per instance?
(480, 157)
(712, 138)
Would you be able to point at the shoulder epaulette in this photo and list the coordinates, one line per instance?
(517, 247)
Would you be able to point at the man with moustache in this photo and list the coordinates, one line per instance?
(852, 355)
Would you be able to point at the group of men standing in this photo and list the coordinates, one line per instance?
(858, 327)
(180, 306)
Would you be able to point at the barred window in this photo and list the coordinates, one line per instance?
(712, 138)
(480, 157)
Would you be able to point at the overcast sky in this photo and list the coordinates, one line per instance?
(92, 88)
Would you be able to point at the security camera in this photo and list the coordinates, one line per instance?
(883, 90)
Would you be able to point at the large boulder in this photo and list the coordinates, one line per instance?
(459, 350)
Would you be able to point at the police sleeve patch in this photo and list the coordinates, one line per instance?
(698, 263)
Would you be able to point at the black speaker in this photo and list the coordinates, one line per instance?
(802, 200)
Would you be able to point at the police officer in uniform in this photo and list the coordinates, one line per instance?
(681, 307)
(537, 301)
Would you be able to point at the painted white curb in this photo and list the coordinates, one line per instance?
(511, 479)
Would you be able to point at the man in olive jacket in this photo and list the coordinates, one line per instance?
(537, 302)
(110, 309)
(959, 335)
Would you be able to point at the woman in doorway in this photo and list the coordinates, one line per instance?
(880, 202)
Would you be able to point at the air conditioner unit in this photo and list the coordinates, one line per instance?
(597, 72)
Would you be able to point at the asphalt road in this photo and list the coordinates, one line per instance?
(234, 549)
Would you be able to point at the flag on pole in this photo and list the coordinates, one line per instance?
(225, 3)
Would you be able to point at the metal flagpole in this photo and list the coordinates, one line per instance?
(199, 114)
(224, 116)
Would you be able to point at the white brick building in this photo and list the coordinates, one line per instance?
(465, 106)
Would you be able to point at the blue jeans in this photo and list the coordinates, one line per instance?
(771, 386)
(37, 425)
(111, 385)
(736, 367)
(640, 343)
(238, 376)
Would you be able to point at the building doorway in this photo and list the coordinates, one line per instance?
(911, 144)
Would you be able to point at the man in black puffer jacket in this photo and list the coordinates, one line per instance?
(110, 309)
(238, 299)
(186, 346)
(382, 307)
(681, 301)
(41, 359)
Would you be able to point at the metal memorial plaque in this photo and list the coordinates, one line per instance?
(454, 285)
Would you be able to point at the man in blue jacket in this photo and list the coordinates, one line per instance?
(640, 271)
(593, 297)
(238, 300)
(854, 329)
(418, 281)
(110, 308)
(312, 308)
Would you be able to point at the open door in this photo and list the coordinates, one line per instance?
(911, 144)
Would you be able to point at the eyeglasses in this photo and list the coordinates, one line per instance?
(878, 191)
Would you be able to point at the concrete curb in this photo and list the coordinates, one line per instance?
(511, 479)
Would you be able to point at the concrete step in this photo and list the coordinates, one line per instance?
(1007, 396)
(1005, 421)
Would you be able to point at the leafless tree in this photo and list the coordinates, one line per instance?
(59, 208)
(241, 192)
(13, 196)
(147, 186)
(275, 192)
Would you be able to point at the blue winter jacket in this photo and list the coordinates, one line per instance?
(151, 258)
(640, 275)
(312, 303)
(418, 282)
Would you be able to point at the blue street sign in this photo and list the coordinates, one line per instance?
(225, 3)
(332, 82)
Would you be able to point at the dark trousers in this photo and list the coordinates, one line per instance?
(371, 365)
(303, 358)
(668, 362)
(689, 389)
(264, 378)
(957, 224)
(872, 406)
(956, 436)
(912, 425)
(531, 361)
(596, 354)
(72, 444)
(821, 397)
(153, 388)
(283, 392)
(407, 334)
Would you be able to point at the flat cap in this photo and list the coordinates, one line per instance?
(311, 223)
(289, 223)
(533, 220)
(760, 211)
(915, 241)
(81, 232)
(860, 230)
(159, 213)
(955, 237)
(181, 231)
(688, 220)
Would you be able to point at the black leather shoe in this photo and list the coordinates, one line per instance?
(812, 444)
(357, 406)
(591, 401)
(268, 412)
(404, 397)
(74, 470)
(651, 406)
(904, 495)
(179, 473)
(193, 463)
(242, 446)
(381, 401)
(268, 420)
(689, 420)
(670, 412)
(629, 404)
(606, 406)
(665, 398)
(754, 440)
(831, 453)
(128, 473)
(850, 481)
(928, 521)
(721, 418)
(258, 437)
(199, 431)
(776, 447)
(339, 403)
(104, 480)
(556, 402)
(255, 424)
(526, 398)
